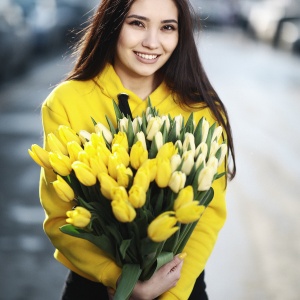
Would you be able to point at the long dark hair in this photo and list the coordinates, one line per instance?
(183, 73)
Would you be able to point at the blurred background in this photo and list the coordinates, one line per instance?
(251, 52)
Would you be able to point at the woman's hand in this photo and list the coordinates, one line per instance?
(162, 280)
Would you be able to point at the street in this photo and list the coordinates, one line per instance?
(257, 256)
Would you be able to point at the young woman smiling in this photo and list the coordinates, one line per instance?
(144, 48)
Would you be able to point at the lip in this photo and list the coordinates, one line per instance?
(147, 60)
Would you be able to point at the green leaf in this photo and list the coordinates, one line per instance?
(93, 120)
(123, 248)
(130, 133)
(111, 126)
(117, 110)
(198, 132)
(129, 277)
(189, 126)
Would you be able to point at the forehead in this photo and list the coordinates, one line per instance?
(155, 9)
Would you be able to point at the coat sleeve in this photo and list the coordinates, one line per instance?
(76, 254)
(201, 243)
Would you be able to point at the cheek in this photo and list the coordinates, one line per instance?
(171, 44)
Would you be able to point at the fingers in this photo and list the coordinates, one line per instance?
(174, 264)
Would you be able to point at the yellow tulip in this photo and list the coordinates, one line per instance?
(97, 139)
(151, 165)
(119, 193)
(177, 181)
(137, 196)
(101, 129)
(162, 227)
(67, 134)
(186, 195)
(138, 155)
(84, 173)
(79, 217)
(205, 178)
(123, 175)
(121, 153)
(55, 144)
(40, 156)
(189, 212)
(73, 149)
(84, 136)
(63, 189)
(187, 162)
(167, 151)
(164, 172)
(120, 139)
(107, 183)
(103, 153)
(142, 178)
(113, 161)
(60, 163)
(90, 149)
(97, 166)
(84, 157)
(123, 211)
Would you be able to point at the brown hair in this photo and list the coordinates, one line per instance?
(183, 73)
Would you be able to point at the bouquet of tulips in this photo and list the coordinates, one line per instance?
(139, 188)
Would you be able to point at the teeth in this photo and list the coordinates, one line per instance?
(146, 56)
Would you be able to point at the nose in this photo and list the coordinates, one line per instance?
(151, 39)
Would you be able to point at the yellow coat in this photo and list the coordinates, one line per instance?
(73, 103)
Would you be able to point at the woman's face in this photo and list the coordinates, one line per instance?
(147, 39)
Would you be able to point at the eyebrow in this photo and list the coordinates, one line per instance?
(147, 19)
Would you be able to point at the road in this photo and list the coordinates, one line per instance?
(257, 255)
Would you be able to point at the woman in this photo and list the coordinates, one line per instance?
(144, 48)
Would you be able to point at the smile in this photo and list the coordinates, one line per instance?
(146, 56)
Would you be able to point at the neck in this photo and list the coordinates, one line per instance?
(140, 85)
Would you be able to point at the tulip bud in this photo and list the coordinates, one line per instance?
(186, 195)
(205, 178)
(79, 217)
(84, 157)
(167, 151)
(213, 163)
(63, 189)
(142, 178)
(113, 161)
(178, 123)
(137, 196)
(123, 175)
(187, 162)
(164, 172)
(103, 153)
(201, 149)
(141, 137)
(214, 147)
(40, 156)
(119, 193)
(120, 139)
(175, 162)
(90, 149)
(60, 163)
(55, 144)
(73, 149)
(84, 173)
(158, 140)
(166, 121)
(179, 147)
(97, 166)
(101, 129)
(162, 227)
(136, 123)
(107, 183)
(66, 135)
(123, 211)
(122, 153)
(123, 124)
(153, 127)
(177, 181)
(217, 134)
(97, 140)
(200, 160)
(138, 155)
(151, 165)
(189, 143)
(84, 136)
(189, 212)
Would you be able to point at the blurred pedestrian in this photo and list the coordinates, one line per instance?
(144, 48)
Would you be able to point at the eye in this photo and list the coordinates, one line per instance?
(136, 23)
(169, 27)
